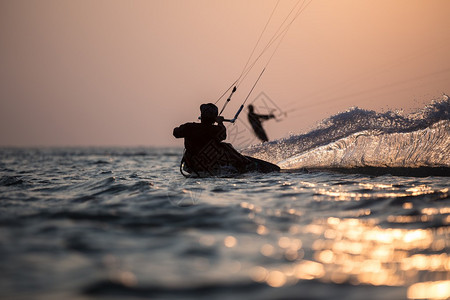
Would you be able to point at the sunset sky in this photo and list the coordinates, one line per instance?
(125, 73)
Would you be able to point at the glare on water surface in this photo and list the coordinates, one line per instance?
(129, 230)
(361, 251)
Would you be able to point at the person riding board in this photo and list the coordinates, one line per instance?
(205, 151)
(255, 121)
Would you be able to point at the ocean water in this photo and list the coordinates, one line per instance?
(123, 223)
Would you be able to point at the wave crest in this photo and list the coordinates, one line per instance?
(361, 138)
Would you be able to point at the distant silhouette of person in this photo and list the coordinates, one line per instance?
(205, 150)
(256, 121)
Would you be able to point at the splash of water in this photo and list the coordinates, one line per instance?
(363, 138)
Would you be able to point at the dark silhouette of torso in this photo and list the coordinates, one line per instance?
(255, 121)
(197, 136)
(205, 150)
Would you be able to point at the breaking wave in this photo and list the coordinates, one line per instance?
(363, 138)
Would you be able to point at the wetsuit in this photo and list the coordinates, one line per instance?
(197, 136)
(205, 151)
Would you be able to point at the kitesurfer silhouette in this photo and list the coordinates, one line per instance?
(205, 151)
(256, 121)
(198, 135)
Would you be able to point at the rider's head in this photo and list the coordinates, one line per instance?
(250, 108)
(209, 113)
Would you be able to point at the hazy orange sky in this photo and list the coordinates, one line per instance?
(125, 73)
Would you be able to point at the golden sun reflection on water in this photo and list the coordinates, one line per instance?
(364, 253)
(430, 290)
(356, 249)
(383, 191)
(359, 252)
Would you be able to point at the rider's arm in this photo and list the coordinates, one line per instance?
(179, 132)
(266, 117)
(222, 134)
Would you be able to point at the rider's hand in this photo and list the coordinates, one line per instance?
(220, 119)
(272, 116)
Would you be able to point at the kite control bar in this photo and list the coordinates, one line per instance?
(235, 116)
